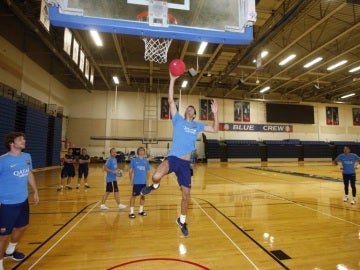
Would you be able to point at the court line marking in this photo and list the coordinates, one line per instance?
(227, 236)
(291, 201)
(62, 237)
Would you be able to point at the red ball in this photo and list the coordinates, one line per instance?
(177, 67)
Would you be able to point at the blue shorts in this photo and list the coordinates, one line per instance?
(112, 186)
(137, 188)
(182, 170)
(13, 216)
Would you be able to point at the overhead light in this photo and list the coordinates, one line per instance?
(264, 54)
(313, 62)
(184, 84)
(95, 35)
(354, 69)
(348, 95)
(338, 64)
(202, 47)
(287, 59)
(116, 79)
(267, 88)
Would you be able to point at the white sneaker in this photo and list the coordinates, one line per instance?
(122, 206)
(346, 198)
(104, 207)
(353, 201)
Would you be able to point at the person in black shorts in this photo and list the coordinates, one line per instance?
(83, 170)
(139, 173)
(68, 170)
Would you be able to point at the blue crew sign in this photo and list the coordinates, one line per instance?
(255, 127)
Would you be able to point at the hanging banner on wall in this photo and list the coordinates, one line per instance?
(255, 127)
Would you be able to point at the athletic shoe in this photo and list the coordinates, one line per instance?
(122, 206)
(143, 213)
(87, 186)
(148, 189)
(104, 207)
(60, 188)
(132, 215)
(183, 227)
(346, 198)
(353, 201)
(68, 187)
(16, 256)
(77, 187)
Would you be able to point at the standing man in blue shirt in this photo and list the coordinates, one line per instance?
(111, 169)
(185, 133)
(349, 162)
(139, 173)
(15, 175)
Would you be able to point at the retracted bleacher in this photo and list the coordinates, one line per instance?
(283, 149)
(242, 149)
(316, 150)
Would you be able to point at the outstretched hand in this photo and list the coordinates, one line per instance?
(214, 106)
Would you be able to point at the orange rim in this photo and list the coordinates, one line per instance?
(145, 13)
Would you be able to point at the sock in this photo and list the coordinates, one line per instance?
(156, 185)
(1, 265)
(132, 210)
(11, 248)
(182, 219)
(141, 208)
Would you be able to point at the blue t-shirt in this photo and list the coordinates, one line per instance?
(348, 162)
(140, 166)
(184, 135)
(14, 171)
(111, 164)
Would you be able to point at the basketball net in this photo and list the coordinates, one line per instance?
(156, 49)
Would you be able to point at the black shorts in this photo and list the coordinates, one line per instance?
(13, 216)
(83, 171)
(137, 188)
(112, 186)
(68, 171)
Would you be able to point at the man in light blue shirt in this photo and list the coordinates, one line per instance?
(15, 175)
(185, 132)
(349, 161)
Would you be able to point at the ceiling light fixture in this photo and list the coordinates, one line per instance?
(313, 62)
(96, 37)
(264, 54)
(338, 64)
(267, 88)
(202, 47)
(184, 84)
(287, 59)
(354, 69)
(348, 95)
(116, 79)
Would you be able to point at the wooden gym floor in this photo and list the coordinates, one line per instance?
(274, 215)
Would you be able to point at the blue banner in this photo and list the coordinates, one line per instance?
(255, 127)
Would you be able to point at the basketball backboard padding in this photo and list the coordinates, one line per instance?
(202, 22)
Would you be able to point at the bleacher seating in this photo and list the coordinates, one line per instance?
(316, 149)
(339, 146)
(246, 149)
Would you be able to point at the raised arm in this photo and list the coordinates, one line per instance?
(172, 105)
(215, 126)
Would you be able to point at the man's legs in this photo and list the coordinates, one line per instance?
(161, 170)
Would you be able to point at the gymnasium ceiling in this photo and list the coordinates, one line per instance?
(326, 28)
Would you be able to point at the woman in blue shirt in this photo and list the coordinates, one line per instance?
(349, 162)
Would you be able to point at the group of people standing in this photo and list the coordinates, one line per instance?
(68, 170)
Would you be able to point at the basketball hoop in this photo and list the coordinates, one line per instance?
(156, 49)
